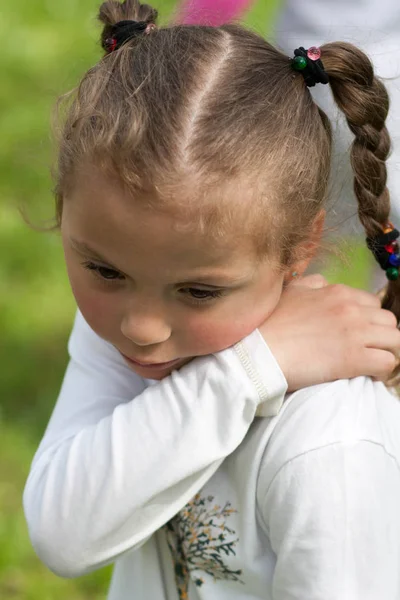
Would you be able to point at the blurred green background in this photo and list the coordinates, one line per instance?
(46, 47)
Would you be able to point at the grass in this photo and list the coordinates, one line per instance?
(52, 44)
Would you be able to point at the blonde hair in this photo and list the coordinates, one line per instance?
(209, 107)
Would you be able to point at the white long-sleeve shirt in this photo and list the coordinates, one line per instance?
(117, 460)
(195, 499)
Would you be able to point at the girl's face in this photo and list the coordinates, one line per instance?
(156, 291)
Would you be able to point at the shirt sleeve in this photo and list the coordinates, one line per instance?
(118, 460)
(332, 517)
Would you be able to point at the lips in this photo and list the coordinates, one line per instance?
(159, 365)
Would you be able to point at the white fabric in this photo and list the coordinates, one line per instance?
(307, 507)
(196, 500)
(118, 460)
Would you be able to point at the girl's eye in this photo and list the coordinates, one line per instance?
(105, 273)
(201, 296)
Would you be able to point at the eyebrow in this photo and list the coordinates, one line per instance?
(84, 248)
(225, 279)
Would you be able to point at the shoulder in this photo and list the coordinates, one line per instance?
(328, 492)
(344, 414)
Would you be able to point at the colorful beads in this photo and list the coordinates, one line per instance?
(111, 44)
(299, 63)
(392, 273)
(394, 260)
(386, 249)
(314, 53)
(150, 27)
(391, 248)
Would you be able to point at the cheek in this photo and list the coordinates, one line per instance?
(234, 320)
(209, 335)
(94, 309)
(100, 310)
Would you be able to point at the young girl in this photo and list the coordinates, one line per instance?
(192, 171)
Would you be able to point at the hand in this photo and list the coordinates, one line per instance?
(320, 332)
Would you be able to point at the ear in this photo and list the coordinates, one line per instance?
(309, 248)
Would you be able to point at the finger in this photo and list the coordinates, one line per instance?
(378, 364)
(315, 281)
(385, 338)
(381, 293)
(380, 316)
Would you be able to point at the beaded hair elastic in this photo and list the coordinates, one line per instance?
(309, 64)
(123, 31)
(385, 249)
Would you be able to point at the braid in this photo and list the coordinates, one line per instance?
(365, 103)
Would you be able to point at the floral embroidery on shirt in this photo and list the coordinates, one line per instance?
(199, 538)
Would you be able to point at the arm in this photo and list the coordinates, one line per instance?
(332, 517)
(118, 461)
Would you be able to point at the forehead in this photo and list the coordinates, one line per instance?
(101, 213)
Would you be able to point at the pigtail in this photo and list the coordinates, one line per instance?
(365, 103)
(112, 12)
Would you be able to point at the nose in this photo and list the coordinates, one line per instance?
(145, 327)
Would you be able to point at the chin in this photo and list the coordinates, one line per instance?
(158, 377)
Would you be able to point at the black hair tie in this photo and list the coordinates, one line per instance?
(309, 64)
(123, 31)
(385, 249)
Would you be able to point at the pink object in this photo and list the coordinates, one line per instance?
(314, 53)
(150, 27)
(212, 12)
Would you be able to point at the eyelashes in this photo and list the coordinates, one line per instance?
(198, 296)
(105, 273)
(111, 276)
